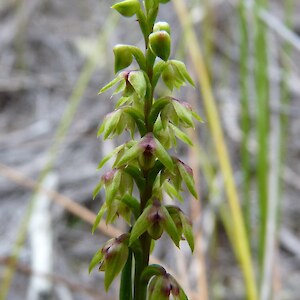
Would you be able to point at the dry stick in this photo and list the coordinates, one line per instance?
(60, 134)
(54, 278)
(70, 205)
(66, 202)
(243, 251)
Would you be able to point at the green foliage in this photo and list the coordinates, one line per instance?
(145, 162)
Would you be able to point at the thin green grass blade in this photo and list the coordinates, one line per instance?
(242, 246)
(245, 113)
(262, 125)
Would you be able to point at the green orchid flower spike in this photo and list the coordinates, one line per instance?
(143, 170)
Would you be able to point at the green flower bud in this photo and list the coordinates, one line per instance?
(168, 77)
(153, 145)
(156, 289)
(155, 230)
(182, 71)
(152, 270)
(157, 217)
(138, 81)
(183, 224)
(111, 258)
(175, 74)
(129, 89)
(127, 8)
(109, 124)
(112, 83)
(187, 175)
(159, 26)
(111, 182)
(161, 287)
(116, 209)
(160, 44)
(184, 112)
(123, 57)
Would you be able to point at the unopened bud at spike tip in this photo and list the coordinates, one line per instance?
(160, 44)
(159, 26)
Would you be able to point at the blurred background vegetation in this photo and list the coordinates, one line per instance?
(244, 55)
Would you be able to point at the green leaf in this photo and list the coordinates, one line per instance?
(197, 117)
(138, 81)
(130, 154)
(156, 108)
(97, 189)
(109, 156)
(183, 71)
(123, 100)
(187, 176)
(181, 135)
(184, 113)
(99, 217)
(138, 118)
(95, 260)
(137, 175)
(126, 183)
(172, 192)
(169, 77)
(187, 231)
(168, 114)
(163, 155)
(112, 211)
(175, 212)
(170, 227)
(139, 57)
(127, 8)
(125, 147)
(157, 71)
(158, 166)
(133, 204)
(112, 188)
(141, 225)
(109, 124)
(115, 264)
(111, 83)
(120, 88)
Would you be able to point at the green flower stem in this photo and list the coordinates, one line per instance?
(142, 260)
(140, 162)
(126, 280)
(150, 59)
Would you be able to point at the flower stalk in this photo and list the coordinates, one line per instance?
(145, 162)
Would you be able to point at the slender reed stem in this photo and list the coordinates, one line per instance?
(263, 117)
(244, 90)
